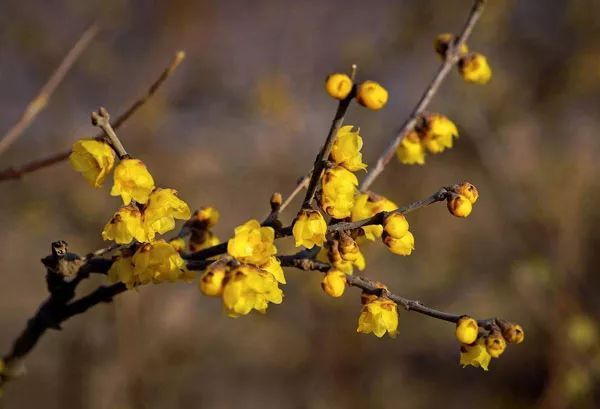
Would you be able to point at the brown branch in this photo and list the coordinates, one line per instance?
(38, 104)
(33, 166)
(450, 60)
(302, 184)
(101, 119)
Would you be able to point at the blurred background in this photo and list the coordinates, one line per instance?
(243, 117)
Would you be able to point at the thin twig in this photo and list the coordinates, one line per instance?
(101, 119)
(41, 100)
(451, 58)
(33, 166)
(302, 184)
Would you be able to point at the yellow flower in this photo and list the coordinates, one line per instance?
(411, 151)
(467, 330)
(132, 181)
(378, 316)
(475, 68)
(402, 246)
(309, 229)
(162, 209)
(475, 355)
(338, 188)
(249, 288)
(346, 149)
(442, 43)
(459, 206)
(338, 85)
(372, 95)
(158, 262)
(469, 191)
(344, 254)
(93, 159)
(437, 133)
(396, 225)
(252, 243)
(334, 283)
(121, 270)
(367, 205)
(178, 244)
(212, 280)
(495, 344)
(273, 266)
(125, 225)
(514, 334)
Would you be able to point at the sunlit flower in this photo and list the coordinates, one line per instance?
(338, 189)
(93, 159)
(212, 280)
(402, 246)
(466, 330)
(125, 225)
(372, 95)
(334, 283)
(367, 205)
(395, 225)
(459, 206)
(159, 262)
(469, 191)
(437, 133)
(252, 243)
(411, 151)
(309, 229)
(338, 85)
(132, 181)
(162, 209)
(346, 149)
(249, 288)
(379, 316)
(475, 68)
(475, 355)
(273, 266)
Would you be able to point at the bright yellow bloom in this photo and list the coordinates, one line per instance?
(442, 43)
(459, 206)
(396, 225)
(469, 191)
(367, 205)
(514, 334)
(402, 246)
(93, 159)
(495, 344)
(212, 280)
(338, 85)
(249, 288)
(158, 262)
(475, 355)
(437, 133)
(121, 270)
(337, 196)
(334, 283)
(378, 316)
(372, 95)
(411, 151)
(252, 243)
(309, 229)
(162, 209)
(273, 266)
(467, 330)
(132, 181)
(346, 149)
(475, 68)
(125, 225)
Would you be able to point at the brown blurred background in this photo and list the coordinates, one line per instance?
(243, 117)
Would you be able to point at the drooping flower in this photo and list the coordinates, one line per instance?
(250, 288)
(338, 85)
(93, 159)
(474, 68)
(367, 205)
(125, 225)
(132, 181)
(437, 132)
(378, 316)
(475, 355)
(212, 280)
(466, 330)
(346, 149)
(338, 189)
(402, 246)
(162, 209)
(411, 151)
(344, 254)
(309, 229)
(273, 266)
(252, 243)
(372, 95)
(395, 225)
(334, 283)
(121, 270)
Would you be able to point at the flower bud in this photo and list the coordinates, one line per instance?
(338, 85)
(495, 344)
(211, 282)
(513, 334)
(442, 44)
(276, 201)
(459, 206)
(469, 191)
(395, 225)
(467, 330)
(348, 248)
(372, 95)
(474, 68)
(402, 246)
(334, 283)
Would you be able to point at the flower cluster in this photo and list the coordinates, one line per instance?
(476, 349)
(433, 133)
(462, 198)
